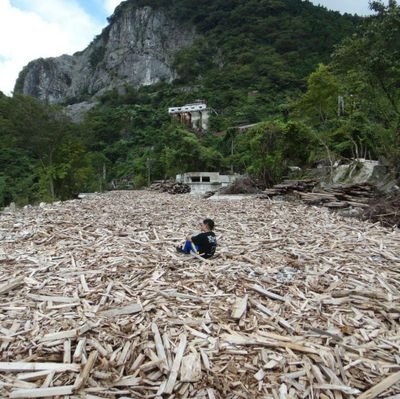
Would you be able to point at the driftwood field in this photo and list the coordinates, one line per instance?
(96, 303)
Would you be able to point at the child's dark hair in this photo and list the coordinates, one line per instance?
(209, 223)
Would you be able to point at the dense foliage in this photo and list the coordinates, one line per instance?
(353, 102)
(42, 156)
(261, 62)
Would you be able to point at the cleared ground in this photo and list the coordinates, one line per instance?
(96, 303)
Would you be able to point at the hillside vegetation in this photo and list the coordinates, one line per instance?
(318, 84)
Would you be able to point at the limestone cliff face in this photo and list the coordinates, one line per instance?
(137, 49)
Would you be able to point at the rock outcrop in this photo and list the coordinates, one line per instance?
(137, 48)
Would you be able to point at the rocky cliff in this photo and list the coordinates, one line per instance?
(137, 48)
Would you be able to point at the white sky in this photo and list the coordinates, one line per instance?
(30, 29)
(359, 7)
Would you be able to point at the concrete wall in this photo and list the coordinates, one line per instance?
(187, 108)
(200, 119)
(202, 182)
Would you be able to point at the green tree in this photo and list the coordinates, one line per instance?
(258, 152)
(319, 103)
(376, 47)
(269, 148)
(40, 130)
(18, 182)
(369, 66)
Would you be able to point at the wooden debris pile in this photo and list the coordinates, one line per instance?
(290, 186)
(96, 303)
(170, 187)
(341, 196)
(242, 185)
(336, 196)
(385, 210)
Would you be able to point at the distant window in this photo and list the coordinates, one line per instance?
(205, 179)
(196, 179)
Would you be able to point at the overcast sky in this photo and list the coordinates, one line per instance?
(30, 29)
(359, 7)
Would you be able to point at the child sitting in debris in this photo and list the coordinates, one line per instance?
(203, 244)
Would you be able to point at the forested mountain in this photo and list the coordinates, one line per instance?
(268, 45)
(283, 64)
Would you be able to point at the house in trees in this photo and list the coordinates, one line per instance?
(193, 115)
(203, 182)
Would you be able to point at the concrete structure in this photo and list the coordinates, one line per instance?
(194, 115)
(203, 182)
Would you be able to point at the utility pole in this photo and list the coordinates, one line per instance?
(148, 166)
(341, 108)
(232, 147)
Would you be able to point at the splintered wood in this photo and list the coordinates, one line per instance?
(96, 303)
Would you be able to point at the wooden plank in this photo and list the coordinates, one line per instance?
(259, 376)
(80, 348)
(21, 366)
(270, 313)
(85, 287)
(105, 296)
(159, 346)
(14, 328)
(124, 354)
(9, 286)
(239, 307)
(138, 361)
(151, 365)
(45, 298)
(267, 293)
(239, 339)
(96, 345)
(381, 386)
(342, 388)
(191, 368)
(125, 310)
(179, 295)
(67, 351)
(205, 359)
(33, 376)
(173, 375)
(167, 347)
(61, 335)
(128, 381)
(83, 377)
(48, 380)
(42, 392)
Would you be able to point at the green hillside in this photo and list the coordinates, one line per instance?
(282, 64)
